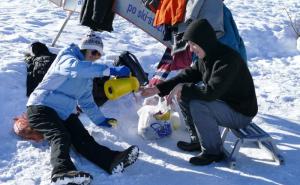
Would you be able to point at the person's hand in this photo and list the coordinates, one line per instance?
(121, 71)
(109, 122)
(149, 91)
(176, 92)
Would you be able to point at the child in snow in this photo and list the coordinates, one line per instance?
(218, 90)
(50, 107)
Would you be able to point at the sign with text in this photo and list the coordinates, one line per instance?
(135, 12)
(73, 5)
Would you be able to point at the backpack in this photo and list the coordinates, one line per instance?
(98, 90)
(129, 60)
(232, 37)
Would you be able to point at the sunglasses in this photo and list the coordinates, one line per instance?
(95, 53)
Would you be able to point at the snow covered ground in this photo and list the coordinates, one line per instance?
(274, 62)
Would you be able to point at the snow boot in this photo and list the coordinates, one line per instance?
(189, 147)
(132, 154)
(71, 177)
(116, 167)
(205, 159)
(124, 159)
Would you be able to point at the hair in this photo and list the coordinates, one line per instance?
(83, 51)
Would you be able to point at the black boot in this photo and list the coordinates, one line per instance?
(189, 147)
(194, 145)
(132, 153)
(124, 159)
(206, 159)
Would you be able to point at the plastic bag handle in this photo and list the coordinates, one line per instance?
(162, 105)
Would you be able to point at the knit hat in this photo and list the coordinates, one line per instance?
(37, 49)
(201, 33)
(92, 41)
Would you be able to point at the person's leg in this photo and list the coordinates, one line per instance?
(46, 121)
(207, 116)
(194, 144)
(101, 155)
(185, 109)
(85, 144)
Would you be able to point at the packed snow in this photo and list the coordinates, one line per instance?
(274, 62)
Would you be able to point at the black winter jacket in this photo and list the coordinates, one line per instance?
(225, 77)
(97, 14)
(37, 66)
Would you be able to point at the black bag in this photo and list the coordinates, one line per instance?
(129, 60)
(98, 90)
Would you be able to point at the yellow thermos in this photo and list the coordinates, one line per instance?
(114, 88)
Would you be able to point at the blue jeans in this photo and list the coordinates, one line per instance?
(206, 117)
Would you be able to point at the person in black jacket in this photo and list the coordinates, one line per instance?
(217, 90)
(38, 62)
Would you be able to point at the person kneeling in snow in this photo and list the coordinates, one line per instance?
(217, 90)
(68, 83)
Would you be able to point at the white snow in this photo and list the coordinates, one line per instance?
(298, 43)
(274, 62)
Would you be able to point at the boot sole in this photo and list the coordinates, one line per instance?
(118, 167)
(81, 178)
(127, 159)
(131, 156)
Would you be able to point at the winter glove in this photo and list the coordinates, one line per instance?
(108, 122)
(121, 71)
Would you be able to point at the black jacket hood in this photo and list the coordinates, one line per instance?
(201, 33)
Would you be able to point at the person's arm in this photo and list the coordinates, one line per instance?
(69, 65)
(222, 77)
(87, 104)
(189, 75)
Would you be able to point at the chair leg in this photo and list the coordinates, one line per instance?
(224, 134)
(231, 157)
(269, 146)
(236, 149)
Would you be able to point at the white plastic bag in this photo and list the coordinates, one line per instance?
(149, 127)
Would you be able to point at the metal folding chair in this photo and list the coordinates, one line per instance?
(252, 133)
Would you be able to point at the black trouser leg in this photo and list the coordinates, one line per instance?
(189, 121)
(85, 144)
(45, 120)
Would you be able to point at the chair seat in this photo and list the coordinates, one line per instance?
(251, 133)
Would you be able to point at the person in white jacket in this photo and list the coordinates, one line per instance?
(50, 108)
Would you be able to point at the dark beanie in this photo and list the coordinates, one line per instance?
(201, 33)
(38, 49)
